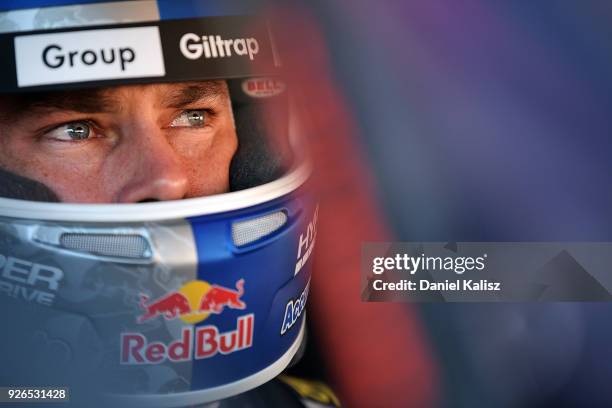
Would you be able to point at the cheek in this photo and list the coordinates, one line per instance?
(74, 181)
(72, 174)
(208, 170)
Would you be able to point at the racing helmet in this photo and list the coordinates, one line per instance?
(167, 303)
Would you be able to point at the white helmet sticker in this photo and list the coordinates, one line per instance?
(89, 55)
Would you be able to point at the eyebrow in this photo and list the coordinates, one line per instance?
(86, 101)
(101, 100)
(190, 93)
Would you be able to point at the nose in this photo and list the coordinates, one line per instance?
(157, 172)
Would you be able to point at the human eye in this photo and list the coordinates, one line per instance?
(72, 131)
(196, 118)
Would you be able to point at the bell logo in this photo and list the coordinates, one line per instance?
(263, 87)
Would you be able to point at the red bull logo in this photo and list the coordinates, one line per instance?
(194, 343)
(193, 302)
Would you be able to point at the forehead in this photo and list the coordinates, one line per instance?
(107, 98)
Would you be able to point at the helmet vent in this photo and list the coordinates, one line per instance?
(120, 246)
(251, 230)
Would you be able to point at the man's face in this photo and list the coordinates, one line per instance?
(122, 144)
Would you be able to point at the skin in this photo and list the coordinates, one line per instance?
(141, 144)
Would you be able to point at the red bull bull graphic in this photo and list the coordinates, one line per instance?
(169, 306)
(194, 343)
(193, 302)
(219, 297)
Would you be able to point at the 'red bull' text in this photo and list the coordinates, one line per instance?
(195, 343)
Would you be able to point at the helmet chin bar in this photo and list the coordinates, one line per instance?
(22, 188)
(217, 393)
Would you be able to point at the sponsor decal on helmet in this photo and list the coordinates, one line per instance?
(263, 87)
(192, 303)
(307, 242)
(199, 343)
(88, 55)
(294, 309)
(194, 46)
(54, 56)
(29, 281)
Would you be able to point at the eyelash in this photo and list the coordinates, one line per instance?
(93, 128)
(209, 115)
